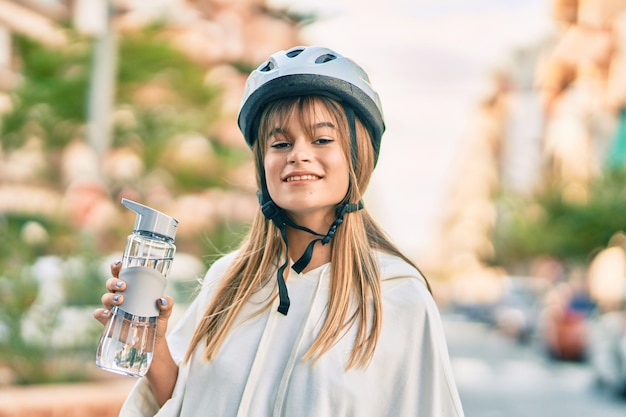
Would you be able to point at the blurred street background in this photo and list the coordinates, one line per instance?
(502, 175)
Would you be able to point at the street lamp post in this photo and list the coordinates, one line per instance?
(95, 17)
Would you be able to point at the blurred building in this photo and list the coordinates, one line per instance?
(555, 114)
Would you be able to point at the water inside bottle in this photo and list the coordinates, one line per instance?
(127, 344)
(160, 264)
(153, 253)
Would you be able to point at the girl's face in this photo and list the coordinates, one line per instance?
(306, 169)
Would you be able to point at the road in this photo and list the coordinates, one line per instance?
(497, 377)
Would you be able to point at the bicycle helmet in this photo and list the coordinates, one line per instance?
(311, 70)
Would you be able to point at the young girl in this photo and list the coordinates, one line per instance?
(317, 313)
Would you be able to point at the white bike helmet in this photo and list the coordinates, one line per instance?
(311, 70)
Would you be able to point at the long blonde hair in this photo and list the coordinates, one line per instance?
(354, 294)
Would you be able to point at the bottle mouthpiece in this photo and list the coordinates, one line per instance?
(151, 220)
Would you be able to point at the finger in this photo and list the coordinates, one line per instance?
(115, 268)
(165, 304)
(102, 315)
(109, 300)
(115, 285)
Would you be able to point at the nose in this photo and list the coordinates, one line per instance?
(300, 152)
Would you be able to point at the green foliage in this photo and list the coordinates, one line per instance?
(15, 250)
(224, 238)
(50, 102)
(18, 291)
(83, 280)
(147, 57)
(187, 104)
(549, 225)
(34, 360)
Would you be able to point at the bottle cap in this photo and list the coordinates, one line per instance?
(151, 220)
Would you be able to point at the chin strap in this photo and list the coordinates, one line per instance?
(342, 209)
(278, 216)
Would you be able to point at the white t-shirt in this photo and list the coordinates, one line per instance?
(259, 370)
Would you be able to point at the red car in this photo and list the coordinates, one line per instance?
(564, 324)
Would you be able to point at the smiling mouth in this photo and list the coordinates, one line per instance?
(302, 178)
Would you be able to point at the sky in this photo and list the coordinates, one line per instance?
(429, 60)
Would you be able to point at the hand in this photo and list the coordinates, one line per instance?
(114, 297)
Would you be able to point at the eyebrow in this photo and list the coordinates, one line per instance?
(323, 124)
(280, 130)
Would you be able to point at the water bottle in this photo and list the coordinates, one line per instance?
(127, 343)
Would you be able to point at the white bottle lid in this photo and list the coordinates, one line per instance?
(151, 220)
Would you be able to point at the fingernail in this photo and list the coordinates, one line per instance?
(116, 298)
(119, 284)
(117, 263)
(105, 312)
(163, 302)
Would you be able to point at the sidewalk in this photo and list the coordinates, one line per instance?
(90, 399)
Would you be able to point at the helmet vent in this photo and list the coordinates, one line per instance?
(294, 53)
(267, 67)
(325, 58)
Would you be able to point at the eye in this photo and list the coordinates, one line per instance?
(323, 141)
(280, 145)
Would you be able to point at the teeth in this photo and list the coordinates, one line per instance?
(302, 178)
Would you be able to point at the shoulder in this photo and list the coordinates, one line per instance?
(402, 284)
(393, 267)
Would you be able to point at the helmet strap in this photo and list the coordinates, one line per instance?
(349, 111)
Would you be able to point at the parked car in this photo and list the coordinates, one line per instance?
(517, 312)
(564, 323)
(512, 305)
(607, 350)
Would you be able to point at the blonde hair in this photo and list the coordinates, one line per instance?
(354, 294)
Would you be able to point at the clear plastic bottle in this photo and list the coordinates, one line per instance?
(127, 343)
